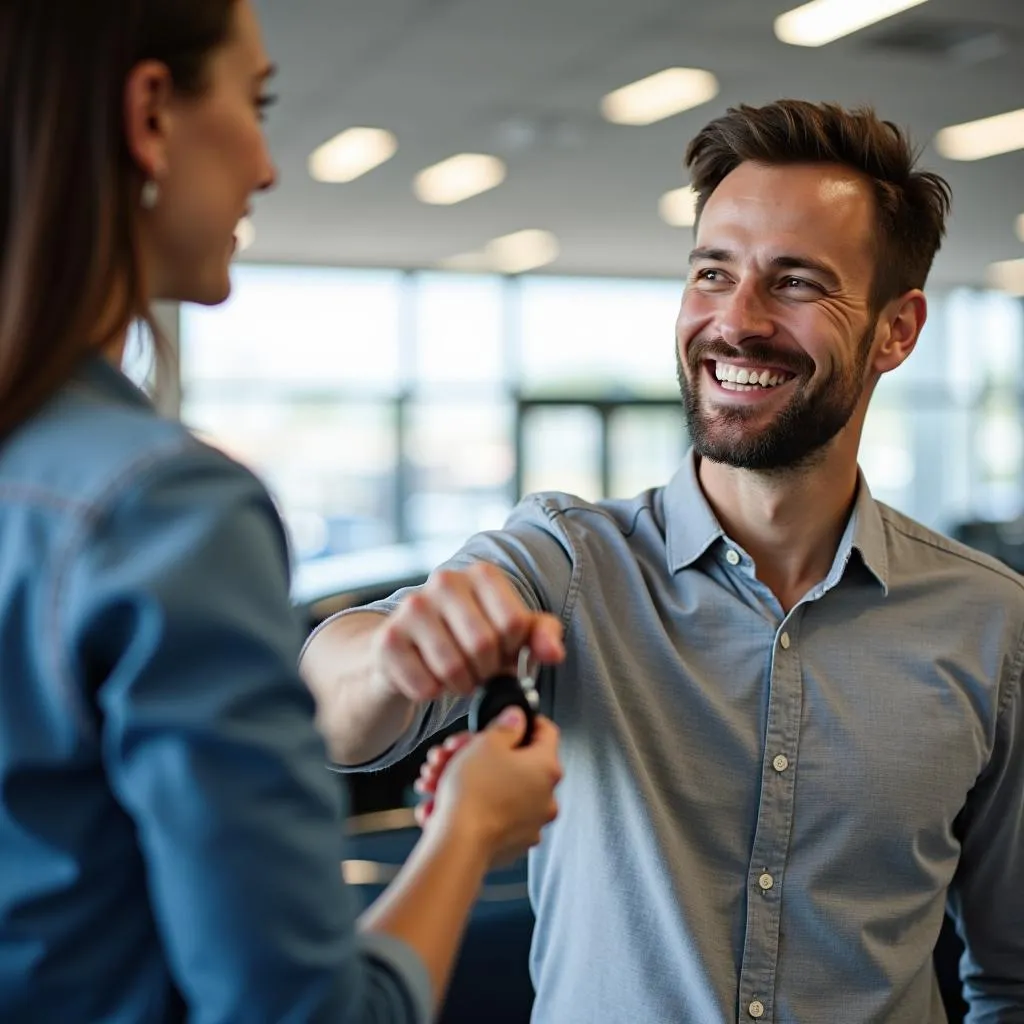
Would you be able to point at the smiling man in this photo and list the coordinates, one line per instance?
(792, 718)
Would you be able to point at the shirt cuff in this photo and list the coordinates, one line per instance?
(401, 961)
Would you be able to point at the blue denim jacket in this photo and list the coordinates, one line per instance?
(169, 835)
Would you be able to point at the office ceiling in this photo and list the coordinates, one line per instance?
(523, 79)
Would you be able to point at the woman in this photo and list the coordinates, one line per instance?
(169, 837)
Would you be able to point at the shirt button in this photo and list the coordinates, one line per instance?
(756, 1009)
(784, 640)
(732, 557)
(766, 882)
(781, 763)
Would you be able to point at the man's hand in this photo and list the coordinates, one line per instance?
(459, 630)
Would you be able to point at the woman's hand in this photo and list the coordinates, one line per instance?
(500, 794)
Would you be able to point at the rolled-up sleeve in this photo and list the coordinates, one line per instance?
(535, 554)
(987, 896)
(172, 609)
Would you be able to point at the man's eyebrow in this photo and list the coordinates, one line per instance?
(787, 261)
(799, 262)
(715, 255)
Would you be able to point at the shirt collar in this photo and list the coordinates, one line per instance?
(100, 377)
(691, 527)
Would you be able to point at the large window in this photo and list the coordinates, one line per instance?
(385, 407)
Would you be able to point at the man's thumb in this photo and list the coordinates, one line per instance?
(511, 723)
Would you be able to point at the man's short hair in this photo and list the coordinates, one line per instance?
(911, 205)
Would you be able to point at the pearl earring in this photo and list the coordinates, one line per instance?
(150, 197)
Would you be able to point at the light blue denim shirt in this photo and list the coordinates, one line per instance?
(169, 835)
(765, 814)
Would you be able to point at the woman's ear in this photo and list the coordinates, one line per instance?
(147, 99)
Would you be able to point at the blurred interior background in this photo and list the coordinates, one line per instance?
(405, 354)
(465, 287)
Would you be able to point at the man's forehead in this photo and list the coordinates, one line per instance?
(828, 207)
(795, 190)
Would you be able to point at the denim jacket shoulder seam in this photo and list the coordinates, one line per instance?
(44, 497)
(89, 514)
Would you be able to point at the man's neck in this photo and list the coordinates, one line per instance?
(790, 523)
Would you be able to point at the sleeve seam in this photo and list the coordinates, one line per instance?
(55, 604)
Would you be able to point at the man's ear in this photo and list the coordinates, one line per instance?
(899, 327)
(147, 98)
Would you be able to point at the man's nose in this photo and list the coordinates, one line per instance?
(744, 315)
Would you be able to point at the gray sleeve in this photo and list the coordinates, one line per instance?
(987, 895)
(399, 987)
(535, 551)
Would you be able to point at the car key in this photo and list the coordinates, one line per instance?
(502, 691)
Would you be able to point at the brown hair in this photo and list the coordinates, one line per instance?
(70, 280)
(911, 205)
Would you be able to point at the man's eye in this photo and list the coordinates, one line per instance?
(791, 283)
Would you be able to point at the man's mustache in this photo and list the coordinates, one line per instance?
(702, 349)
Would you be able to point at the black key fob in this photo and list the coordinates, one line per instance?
(493, 697)
(503, 691)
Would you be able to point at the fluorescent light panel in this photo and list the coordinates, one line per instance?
(1007, 276)
(977, 140)
(465, 261)
(823, 21)
(679, 207)
(350, 155)
(663, 95)
(459, 178)
(510, 254)
(522, 251)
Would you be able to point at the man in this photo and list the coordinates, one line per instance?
(792, 718)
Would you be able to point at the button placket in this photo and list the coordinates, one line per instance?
(770, 850)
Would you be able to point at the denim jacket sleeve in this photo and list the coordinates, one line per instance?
(173, 614)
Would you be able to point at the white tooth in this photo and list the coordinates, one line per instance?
(742, 377)
(730, 372)
(720, 371)
(764, 378)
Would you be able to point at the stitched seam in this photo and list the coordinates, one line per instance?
(40, 496)
(93, 513)
(964, 556)
(1015, 684)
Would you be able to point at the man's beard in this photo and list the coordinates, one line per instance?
(797, 435)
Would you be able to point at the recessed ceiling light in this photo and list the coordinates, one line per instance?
(679, 207)
(245, 234)
(352, 154)
(465, 261)
(976, 140)
(1007, 276)
(458, 178)
(823, 21)
(665, 94)
(522, 251)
